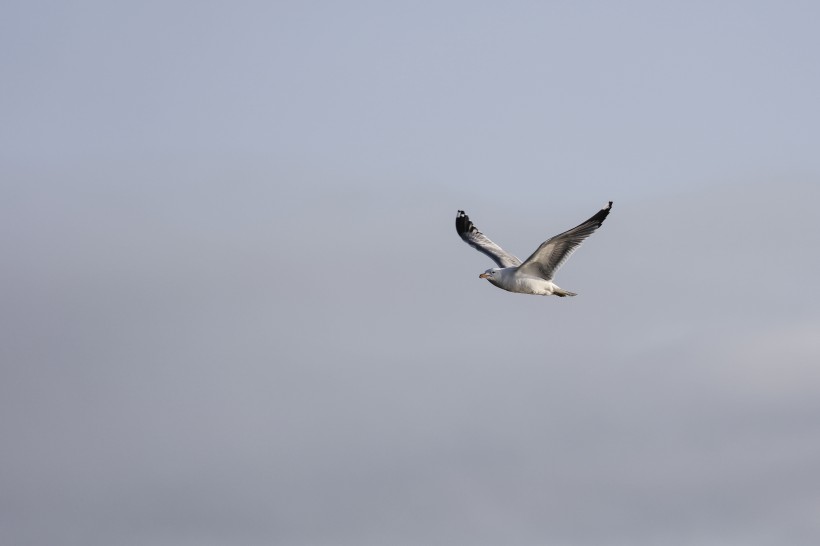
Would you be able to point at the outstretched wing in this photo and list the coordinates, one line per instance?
(467, 231)
(553, 252)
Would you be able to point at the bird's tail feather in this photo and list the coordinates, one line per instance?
(560, 292)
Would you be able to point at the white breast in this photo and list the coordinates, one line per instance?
(524, 284)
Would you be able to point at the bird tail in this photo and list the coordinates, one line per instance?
(560, 292)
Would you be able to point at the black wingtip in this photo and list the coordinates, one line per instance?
(601, 215)
(462, 223)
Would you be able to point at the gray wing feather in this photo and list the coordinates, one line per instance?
(553, 252)
(467, 231)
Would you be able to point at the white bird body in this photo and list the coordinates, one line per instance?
(509, 279)
(533, 275)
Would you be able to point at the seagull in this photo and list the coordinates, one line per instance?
(533, 275)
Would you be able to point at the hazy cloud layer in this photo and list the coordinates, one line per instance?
(235, 309)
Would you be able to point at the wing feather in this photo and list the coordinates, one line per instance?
(467, 231)
(553, 252)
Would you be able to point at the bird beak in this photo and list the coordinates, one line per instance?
(483, 276)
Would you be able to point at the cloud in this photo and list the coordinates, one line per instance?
(188, 384)
(235, 309)
(772, 364)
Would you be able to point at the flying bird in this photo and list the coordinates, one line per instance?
(534, 275)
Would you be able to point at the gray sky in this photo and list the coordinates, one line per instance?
(234, 309)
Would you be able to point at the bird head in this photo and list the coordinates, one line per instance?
(489, 274)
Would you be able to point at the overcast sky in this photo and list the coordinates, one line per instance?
(234, 309)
